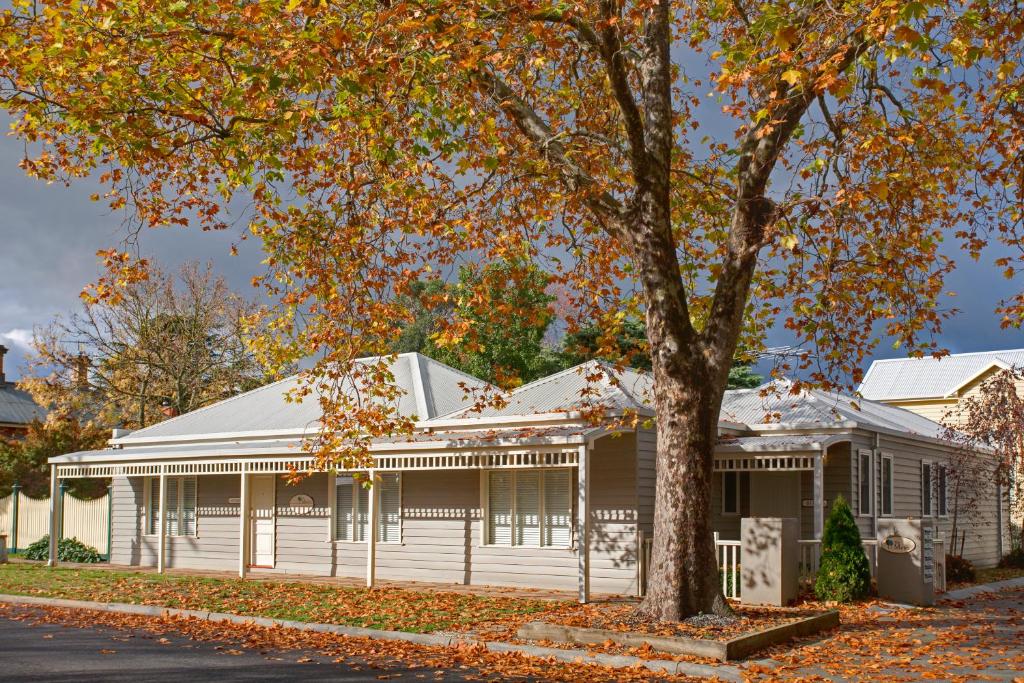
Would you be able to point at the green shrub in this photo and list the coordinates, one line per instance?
(1013, 559)
(844, 573)
(959, 569)
(68, 550)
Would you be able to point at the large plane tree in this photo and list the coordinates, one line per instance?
(717, 166)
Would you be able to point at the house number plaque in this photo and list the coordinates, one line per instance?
(301, 501)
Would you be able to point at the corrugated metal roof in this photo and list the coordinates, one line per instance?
(824, 408)
(17, 406)
(910, 378)
(266, 408)
(586, 385)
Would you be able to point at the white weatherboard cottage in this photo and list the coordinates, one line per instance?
(526, 495)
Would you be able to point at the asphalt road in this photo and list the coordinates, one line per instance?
(51, 652)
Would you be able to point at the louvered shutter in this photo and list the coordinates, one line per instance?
(499, 508)
(557, 507)
(188, 506)
(527, 525)
(362, 511)
(154, 506)
(390, 521)
(172, 506)
(343, 509)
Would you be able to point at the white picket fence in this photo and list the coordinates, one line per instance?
(86, 520)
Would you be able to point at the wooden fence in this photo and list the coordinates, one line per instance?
(25, 520)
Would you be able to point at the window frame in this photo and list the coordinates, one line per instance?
(485, 488)
(736, 498)
(890, 489)
(870, 480)
(150, 513)
(942, 487)
(332, 494)
(928, 487)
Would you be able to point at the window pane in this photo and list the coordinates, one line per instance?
(154, 505)
(188, 506)
(343, 509)
(499, 508)
(527, 526)
(943, 509)
(389, 524)
(865, 483)
(172, 503)
(362, 512)
(557, 507)
(886, 486)
(729, 493)
(926, 489)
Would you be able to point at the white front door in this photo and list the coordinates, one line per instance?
(775, 494)
(263, 519)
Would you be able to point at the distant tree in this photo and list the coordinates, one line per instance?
(507, 351)
(627, 344)
(742, 377)
(165, 344)
(990, 420)
(25, 460)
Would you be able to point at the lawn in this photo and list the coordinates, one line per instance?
(381, 608)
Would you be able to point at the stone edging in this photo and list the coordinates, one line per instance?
(725, 673)
(971, 591)
(739, 647)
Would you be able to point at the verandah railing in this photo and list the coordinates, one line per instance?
(729, 562)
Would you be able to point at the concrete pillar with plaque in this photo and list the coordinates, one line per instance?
(906, 560)
(769, 560)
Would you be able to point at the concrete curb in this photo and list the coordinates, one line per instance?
(971, 591)
(725, 673)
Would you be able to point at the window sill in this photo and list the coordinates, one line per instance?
(336, 542)
(528, 547)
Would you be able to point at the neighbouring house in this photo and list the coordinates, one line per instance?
(529, 494)
(933, 387)
(17, 409)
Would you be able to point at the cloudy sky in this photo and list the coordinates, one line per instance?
(49, 235)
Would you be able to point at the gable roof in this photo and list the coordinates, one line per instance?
(428, 388)
(921, 378)
(17, 406)
(586, 385)
(816, 408)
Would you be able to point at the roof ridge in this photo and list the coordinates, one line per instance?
(951, 355)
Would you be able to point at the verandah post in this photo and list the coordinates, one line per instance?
(243, 524)
(63, 492)
(371, 539)
(110, 519)
(819, 495)
(161, 520)
(583, 524)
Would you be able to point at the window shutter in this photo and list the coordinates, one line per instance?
(154, 506)
(527, 524)
(188, 507)
(864, 479)
(943, 501)
(887, 486)
(499, 508)
(362, 512)
(172, 506)
(343, 509)
(390, 524)
(557, 508)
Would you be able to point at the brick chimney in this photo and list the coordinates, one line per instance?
(3, 352)
(167, 409)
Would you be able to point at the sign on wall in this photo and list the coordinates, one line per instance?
(898, 544)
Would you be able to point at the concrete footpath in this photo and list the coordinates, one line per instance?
(722, 672)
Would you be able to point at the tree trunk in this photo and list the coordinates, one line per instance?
(683, 577)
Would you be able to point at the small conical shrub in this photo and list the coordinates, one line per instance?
(844, 573)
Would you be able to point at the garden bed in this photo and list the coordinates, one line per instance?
(749, 630)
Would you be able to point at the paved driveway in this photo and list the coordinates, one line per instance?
(33, 651)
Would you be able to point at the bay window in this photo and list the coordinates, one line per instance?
(528, 507)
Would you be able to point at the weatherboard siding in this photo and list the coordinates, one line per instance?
(442, 530)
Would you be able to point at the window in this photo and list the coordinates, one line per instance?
(352, 508)
(864, 481)
(926, 489)
(887, 484)
(181, 506)
(529, 507)
(941, 493)
(730, 493)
